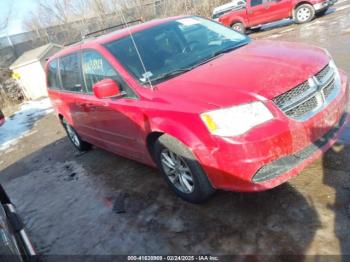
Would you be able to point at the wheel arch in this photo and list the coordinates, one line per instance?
(299, 4)
(67, 117)
(236, 20)
(151, 139)
(172, 128)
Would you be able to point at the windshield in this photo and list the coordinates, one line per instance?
(173, 48)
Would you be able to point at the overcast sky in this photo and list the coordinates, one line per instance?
(21, 8)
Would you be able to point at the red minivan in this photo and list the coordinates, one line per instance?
(207, 105)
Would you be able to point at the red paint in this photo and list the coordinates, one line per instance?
(2, 118)
(260, 70)
(106, 88)
(265, 13)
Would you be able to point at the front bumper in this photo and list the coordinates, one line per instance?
(274, 152)
(323, 5)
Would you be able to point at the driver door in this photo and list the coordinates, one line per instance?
(259, 12)
(117, 121)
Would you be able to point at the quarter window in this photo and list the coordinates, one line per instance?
(53, 80)
(71, 73)
(96, 68)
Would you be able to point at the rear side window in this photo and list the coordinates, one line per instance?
(71, 75)
(53, 80)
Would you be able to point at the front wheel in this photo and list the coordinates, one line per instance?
(304, 13)
(181, 170)
(75, 138)
(239, 27)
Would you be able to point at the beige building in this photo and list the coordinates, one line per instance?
(29, 69)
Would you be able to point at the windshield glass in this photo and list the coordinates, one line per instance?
(173, 48)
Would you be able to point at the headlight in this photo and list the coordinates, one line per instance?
(237, 120)
(336, 72)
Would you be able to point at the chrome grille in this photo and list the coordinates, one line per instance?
(303, 108)
(288, 96)
(305, 100)
(322, 75)
(327, 91)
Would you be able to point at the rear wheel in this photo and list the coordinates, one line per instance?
(304, 13)
(181, 170)
(239, 27)
(75, 138)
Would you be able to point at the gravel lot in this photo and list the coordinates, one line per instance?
(68, 200)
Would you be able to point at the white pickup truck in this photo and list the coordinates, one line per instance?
(223, 9)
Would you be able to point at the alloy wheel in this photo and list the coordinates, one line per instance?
(237, 28)
(177, 171)
(72, 135)
(304, 14)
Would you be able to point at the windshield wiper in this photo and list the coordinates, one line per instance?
(227, 50)
(171, 74)
(218, 53)
(177, 72)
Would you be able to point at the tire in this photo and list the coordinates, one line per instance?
(304, 13)
(239, 27)
(321, 13)
(185, 176)
(75, 139)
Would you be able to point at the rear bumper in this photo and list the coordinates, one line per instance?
(272, 153)
(323, 5)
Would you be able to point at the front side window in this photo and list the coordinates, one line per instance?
(53, 81)
(172, 48)
(96, 68)
(256, 2)
(71, 73)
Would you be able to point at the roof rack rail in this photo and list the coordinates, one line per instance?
(111, 27)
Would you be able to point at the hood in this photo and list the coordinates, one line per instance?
(260, 69)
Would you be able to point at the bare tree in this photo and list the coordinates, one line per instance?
(6, 18)
(61, 11)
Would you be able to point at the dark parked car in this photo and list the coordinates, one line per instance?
(14, 242)
(2, 118)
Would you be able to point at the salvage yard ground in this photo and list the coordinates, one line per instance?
(70, 202)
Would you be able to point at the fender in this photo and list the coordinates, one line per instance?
(238, 20)
(203, 151)
(177, 130)
(228, 21)
(202, 144)
(65, 114)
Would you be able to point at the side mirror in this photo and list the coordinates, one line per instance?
(106, 88)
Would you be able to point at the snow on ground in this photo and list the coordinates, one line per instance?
(20, 124)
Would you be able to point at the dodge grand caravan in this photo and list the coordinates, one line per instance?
(207, 105)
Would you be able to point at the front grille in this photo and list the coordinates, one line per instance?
(327, 91)
(284, 164)
(321, 76)
(305, 100)
(290, 95)
(303, 108)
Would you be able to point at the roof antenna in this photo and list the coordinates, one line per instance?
(146, 74)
